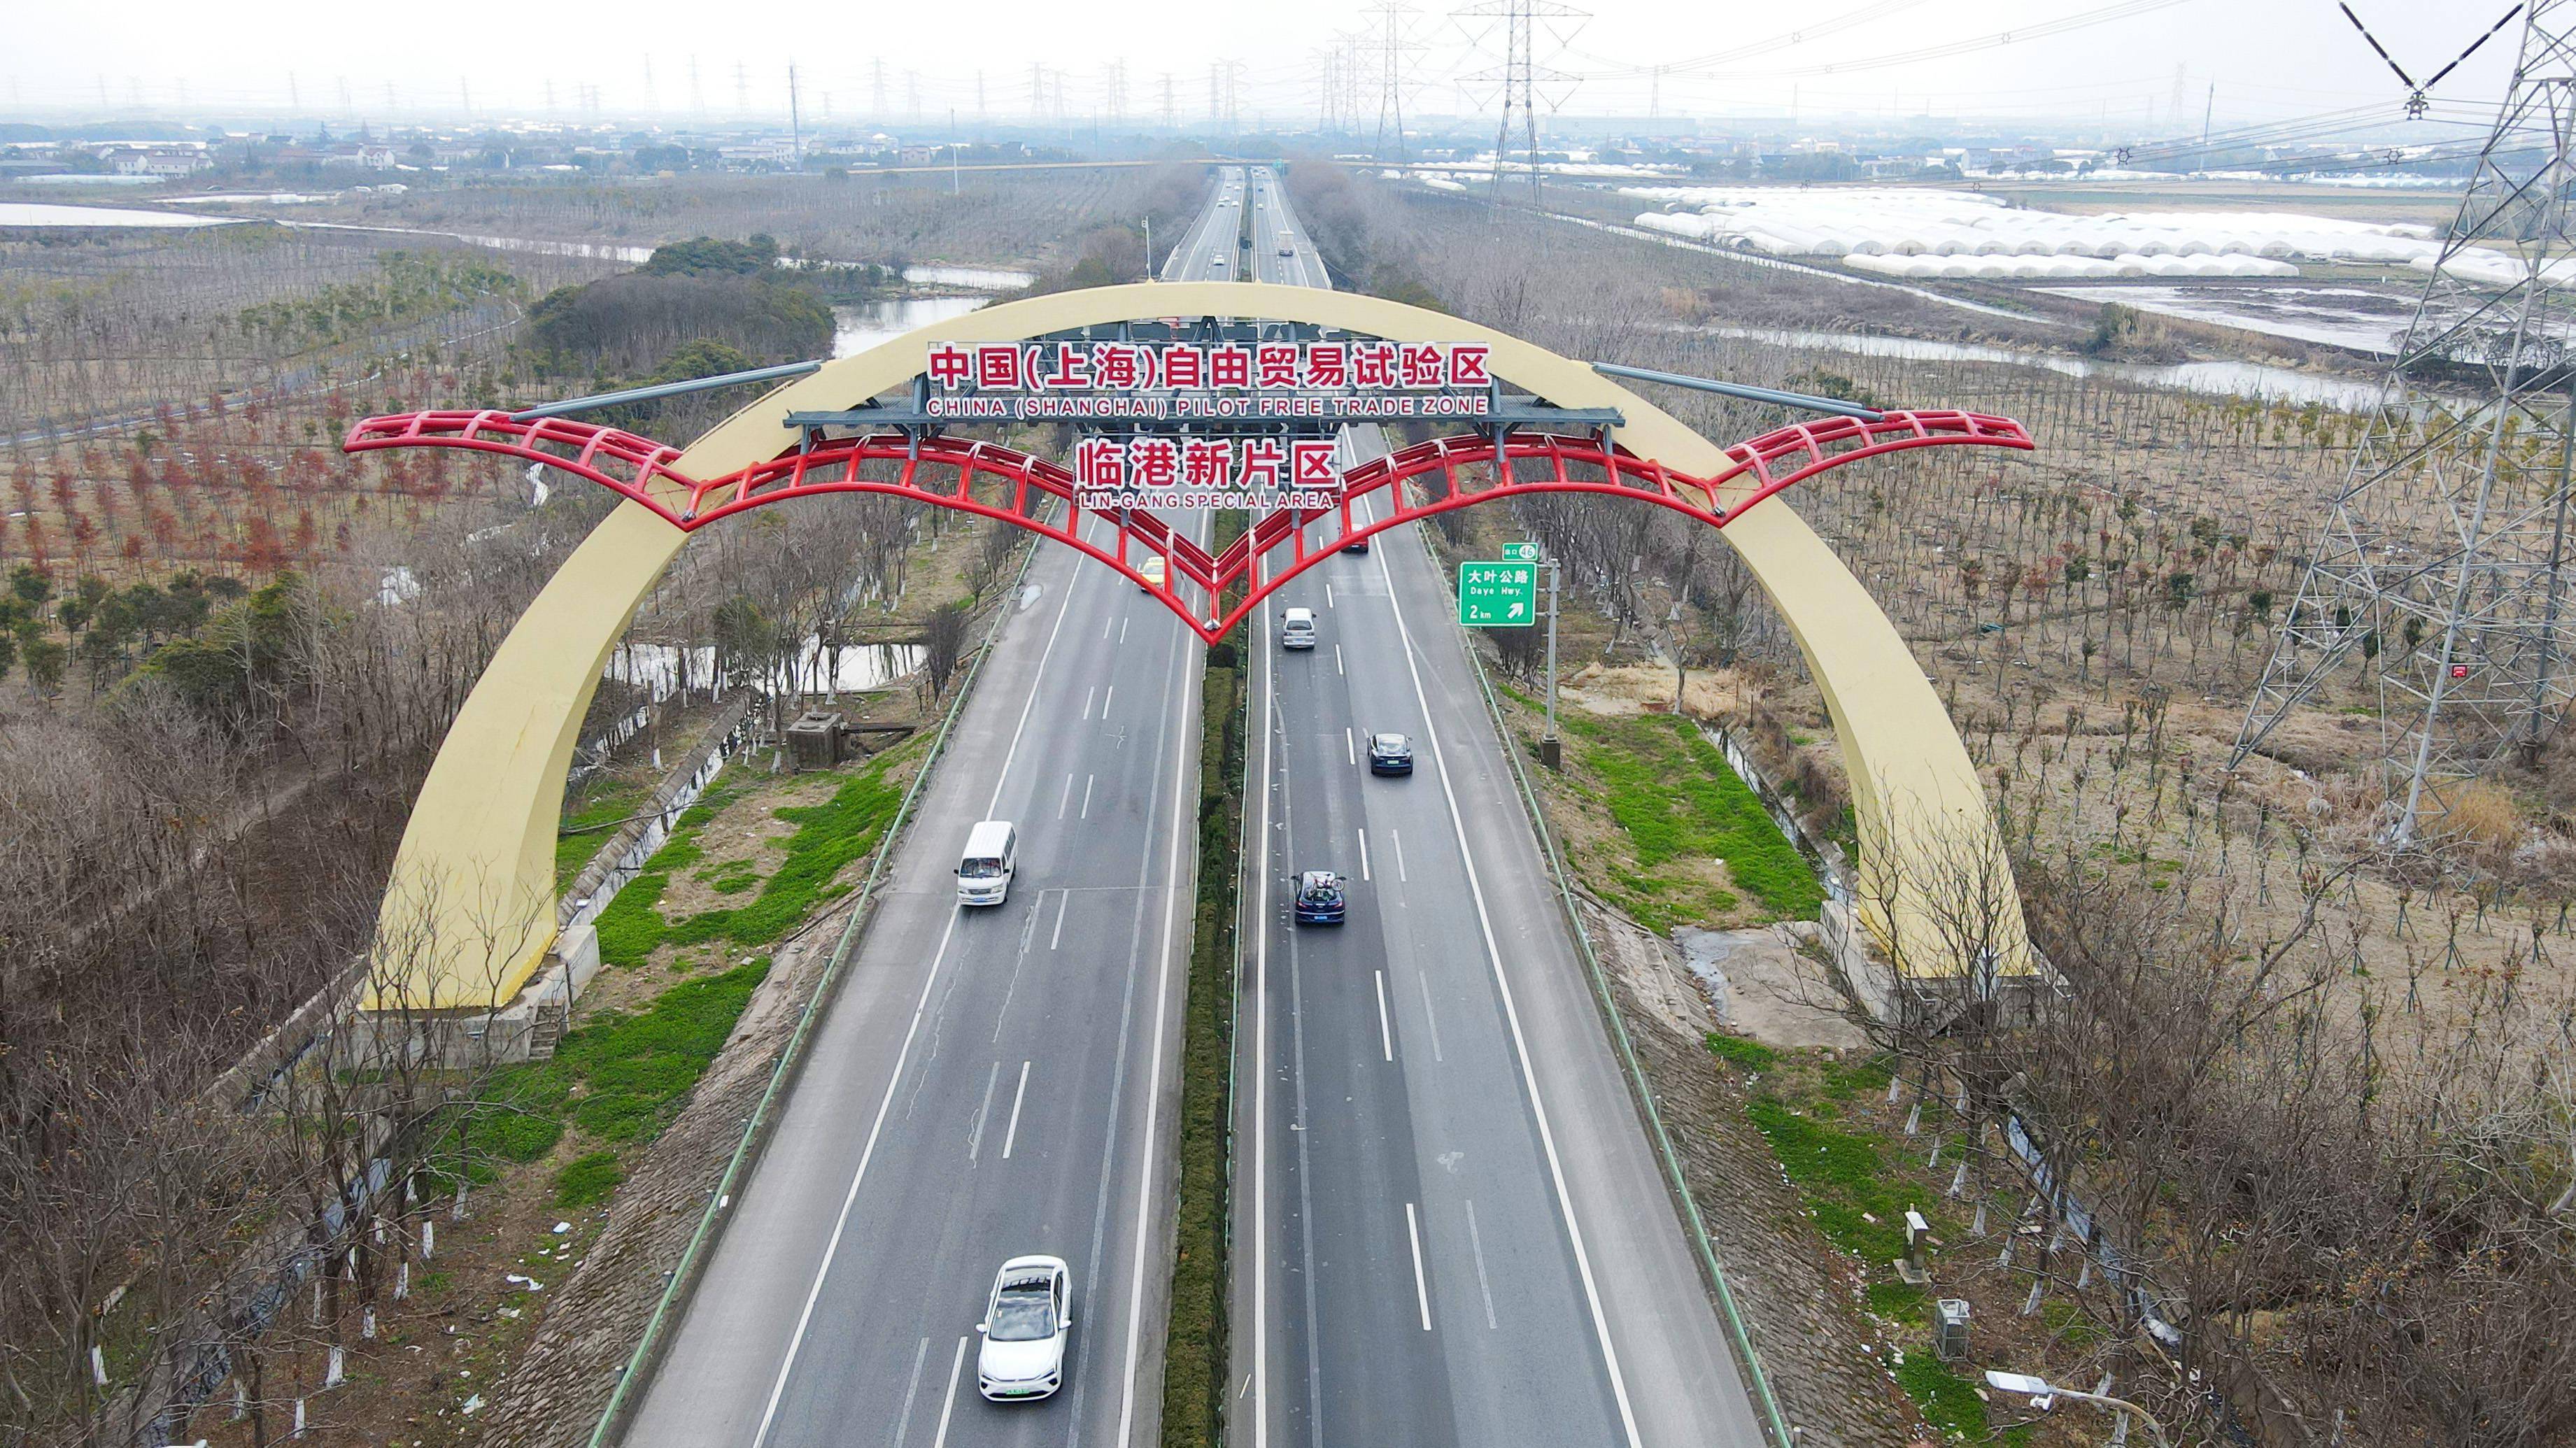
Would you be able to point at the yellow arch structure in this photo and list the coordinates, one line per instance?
(474, 877)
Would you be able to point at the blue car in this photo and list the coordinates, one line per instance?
(1319, 898)
(1390, 754)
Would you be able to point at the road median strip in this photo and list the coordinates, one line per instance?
(1197, 1360)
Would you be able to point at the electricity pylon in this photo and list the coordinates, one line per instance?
(1520, 75)
(2442, 564)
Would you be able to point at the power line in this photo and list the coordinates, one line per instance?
(2415, 97)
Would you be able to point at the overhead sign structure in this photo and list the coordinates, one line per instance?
(1324, 382)
(475, 877)
(1498, 594)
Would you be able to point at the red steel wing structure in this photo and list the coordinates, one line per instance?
(993, 481)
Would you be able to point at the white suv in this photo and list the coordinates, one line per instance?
(1025, 1327)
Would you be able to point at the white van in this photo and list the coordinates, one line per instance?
(984, 874)
(1297, 629)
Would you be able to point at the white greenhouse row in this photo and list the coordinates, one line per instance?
(1880, 222)
(2063, 268)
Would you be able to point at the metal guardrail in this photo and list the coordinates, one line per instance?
(683, 1276)
(1774, 1422)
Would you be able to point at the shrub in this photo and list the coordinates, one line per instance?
(588, 1179)
(1749, 1055)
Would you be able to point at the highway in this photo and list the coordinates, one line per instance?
(1449, 1224)
(989, 1082)
(1208, 251)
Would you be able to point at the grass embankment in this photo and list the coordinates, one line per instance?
(1687, 828)
(618, 1078)
(1815, 1112)
(828, 837)
(1195, 1360)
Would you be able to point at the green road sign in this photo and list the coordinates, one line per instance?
(1521, 552)
(1500, 594)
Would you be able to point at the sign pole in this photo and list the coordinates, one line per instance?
(1550, 752)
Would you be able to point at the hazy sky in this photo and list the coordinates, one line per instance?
(2268, 58)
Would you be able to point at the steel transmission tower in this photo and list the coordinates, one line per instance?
(2442, 562)
(1393, 49)
(1520, 76)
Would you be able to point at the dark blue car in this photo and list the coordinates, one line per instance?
(1319, 898)
(1390, 754)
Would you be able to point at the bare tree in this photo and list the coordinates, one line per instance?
(943, 643)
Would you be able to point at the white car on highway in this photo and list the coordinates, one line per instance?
(1025, 1328)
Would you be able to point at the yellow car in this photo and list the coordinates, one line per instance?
(1152, 568)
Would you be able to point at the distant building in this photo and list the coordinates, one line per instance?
(768, 154)
(365, 155)
(160, 163)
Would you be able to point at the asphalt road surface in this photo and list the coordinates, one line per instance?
(990, 1082)
(1449, 1224)
(1210, 252)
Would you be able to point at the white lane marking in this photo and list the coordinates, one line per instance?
(1430, 1016)
(1364, 874)
(950, 1404)
(1104, 703)
(1385, 1029)
(1061, 901)
(1174, 904)
(1065, 801)
(1421, 1289)
(1337, 662)
(1013, 1135)
(1511, 1013)
(912, 1386)
(1087, 696)
(1328, 595)
(1104, 625)
(1349, 746)
(1261, 1074)
(903, 1053)
(1088, 781)
(1122, 630)
(1397, 836)
(983, 1113)
(1476, 1241)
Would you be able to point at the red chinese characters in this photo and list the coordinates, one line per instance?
(1261, 367)
(1230, 365)
(1181, 366)
(1119, 366)
(1328, 366)
(1275, 366)
(999, 368)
